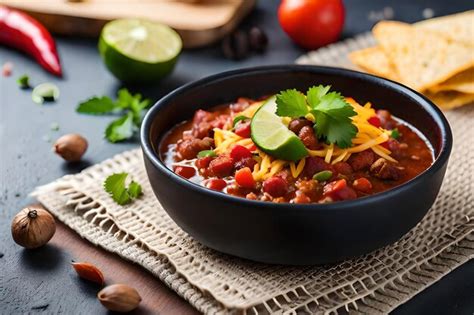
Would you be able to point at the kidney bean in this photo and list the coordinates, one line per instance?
(275, 186)
(221, 166)
(185, 171)
(362, 160)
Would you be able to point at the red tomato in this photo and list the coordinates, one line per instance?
(312, 23)
(244, 178)
(374, 121)
(338, 190)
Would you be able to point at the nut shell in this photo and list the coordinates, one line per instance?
(71, 147)
(89, 272)
(33, 227)
(119, 298)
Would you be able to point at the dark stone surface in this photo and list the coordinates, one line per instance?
(41, 281)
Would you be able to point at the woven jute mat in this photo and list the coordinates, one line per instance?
(215, 283)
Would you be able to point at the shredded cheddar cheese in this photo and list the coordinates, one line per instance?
(367, 137)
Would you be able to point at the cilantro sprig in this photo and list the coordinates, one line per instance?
(331, 112)
(115, 186)
(131, 106)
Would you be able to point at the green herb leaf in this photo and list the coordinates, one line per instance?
(333, 116)
(124, 98)
(315, 94)
(395, 134)
(238, 119)
(134, 190)
(332, 113)
(96, 106)
(23, 81)
(206, 153)
(115, 186)
(120, 129)
(291, 103)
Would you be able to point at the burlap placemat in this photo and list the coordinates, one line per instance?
(215, 283)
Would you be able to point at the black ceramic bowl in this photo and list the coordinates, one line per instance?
(295, 234)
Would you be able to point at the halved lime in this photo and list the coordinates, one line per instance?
(272, 136)
(139, 50)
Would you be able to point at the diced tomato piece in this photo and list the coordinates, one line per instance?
(275, 186)
(375, 121)
(253, 147)
(243, 129)
(216, 184)
(334, 186)
(185, 171)
(222, 166)
(240, 152)
(338, 190)
(244, 178)
(203, 162)
(362, 184)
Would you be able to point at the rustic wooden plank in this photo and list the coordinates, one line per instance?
(157, 297)
(198, 22)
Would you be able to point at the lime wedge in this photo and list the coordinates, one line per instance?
(139, 50)
(271, 136)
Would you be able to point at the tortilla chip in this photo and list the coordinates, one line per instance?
(459, 27)
(422, 58)
(461, 82)
(449, 99)
(373, 60)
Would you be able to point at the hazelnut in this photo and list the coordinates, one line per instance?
(70, 147)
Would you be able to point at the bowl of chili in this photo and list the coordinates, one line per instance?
(221, 185)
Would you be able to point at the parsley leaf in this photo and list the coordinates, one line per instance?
(96, 106)
(120, 129)
(332, 113)
(115, 186)
(291, 103)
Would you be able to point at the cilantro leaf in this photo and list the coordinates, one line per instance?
(134, 190)
(332, 113)
(120, 129)
(315, 94)
(125, 98)
(335, 131)
(96, 106)
(291, 103)
(137, 107)
(333, 116)
(115, 186)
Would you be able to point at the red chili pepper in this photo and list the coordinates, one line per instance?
(21, 31)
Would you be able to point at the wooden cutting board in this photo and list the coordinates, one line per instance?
(199, 22)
